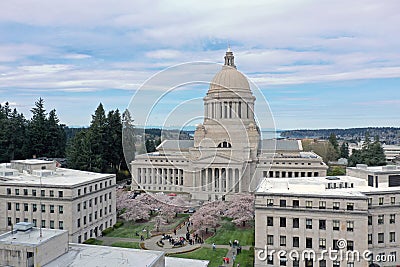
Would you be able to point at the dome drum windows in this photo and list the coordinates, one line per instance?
(224, 145)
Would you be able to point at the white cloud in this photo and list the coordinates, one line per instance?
(77, 56)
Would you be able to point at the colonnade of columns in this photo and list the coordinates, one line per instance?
(220, 180)
(289, 174)
(160, 176)
(228, 110)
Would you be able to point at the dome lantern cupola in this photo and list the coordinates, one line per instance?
(229, 58)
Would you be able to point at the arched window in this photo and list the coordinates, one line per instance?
(224, 145)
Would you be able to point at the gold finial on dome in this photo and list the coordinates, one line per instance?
(229, 58)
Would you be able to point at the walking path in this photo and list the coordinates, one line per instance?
(151, 244)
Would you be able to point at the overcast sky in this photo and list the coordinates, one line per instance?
(319, 64)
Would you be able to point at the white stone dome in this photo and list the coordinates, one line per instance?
(229, 78)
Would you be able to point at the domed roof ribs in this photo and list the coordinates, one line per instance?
(229, 58)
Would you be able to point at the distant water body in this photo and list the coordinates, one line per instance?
(265, 134)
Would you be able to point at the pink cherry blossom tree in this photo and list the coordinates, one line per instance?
(241, 209)
(208, 216)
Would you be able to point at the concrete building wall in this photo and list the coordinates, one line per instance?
(96, 200)
(318, 226)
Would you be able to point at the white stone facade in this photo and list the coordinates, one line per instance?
(315, 213)
(81, 202)
(226, 155)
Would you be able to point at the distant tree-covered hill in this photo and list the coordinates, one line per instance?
(387, 135)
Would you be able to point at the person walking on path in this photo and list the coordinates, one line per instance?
(213, 246)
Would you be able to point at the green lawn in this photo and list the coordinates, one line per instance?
(128, 230)
(93, 241)
(214, 256)
(126, 245)
(245, 258)
(228, 231)
(175, 222)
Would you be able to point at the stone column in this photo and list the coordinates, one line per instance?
(220, 180)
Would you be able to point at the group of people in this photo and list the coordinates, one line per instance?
(191, 239)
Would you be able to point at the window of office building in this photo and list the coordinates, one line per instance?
(322, 204)
(270, 221)
(282, 261)
(296, 222)
(380, 201)
(336, 205)
(308, 242)
(296, 241)
(322, 224)
(270, 240)
(336, 225)
(369, 238)
(381, 238)
(60, 225)
(296, 203)
(381, 219)
(282, 240)
(308, 223)
(282, 203)
(322, 243)
(282, 222)
(392, 237)
(309, 204)
(392, 218)
(350, 206)
(270, 202)
(350, 226)
(350, 245)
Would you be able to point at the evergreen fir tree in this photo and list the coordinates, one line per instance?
(344, 150)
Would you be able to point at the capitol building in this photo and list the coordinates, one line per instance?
(227, 155)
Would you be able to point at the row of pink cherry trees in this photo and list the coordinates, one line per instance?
(240, 210)
(143, 206)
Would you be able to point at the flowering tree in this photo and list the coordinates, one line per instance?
(170, 206)
(143, 206)
(241, 210)
(208, 216)
(133, 209)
